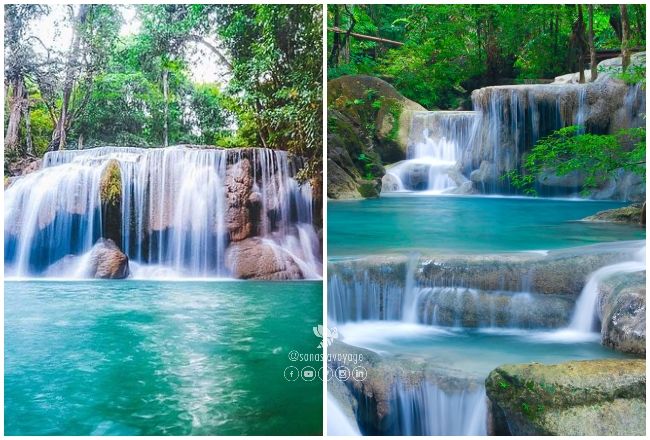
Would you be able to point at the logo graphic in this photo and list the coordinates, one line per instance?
(308, 374)
(342, 373)
(291, 373)
(329, 335)
(359, 374)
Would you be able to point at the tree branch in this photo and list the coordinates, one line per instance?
(222, 58)
(366, 37)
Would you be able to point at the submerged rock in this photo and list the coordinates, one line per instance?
(599, 397)
(622, 307)
(259, 259)
(107, 261)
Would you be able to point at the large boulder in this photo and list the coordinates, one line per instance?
(374, 101)
(260, 259)
(599, 397)
(368, 124)
(622, 307)
(353, 166)
(106, 260)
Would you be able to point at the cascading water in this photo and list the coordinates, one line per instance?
(172, 210)
(338, 424)
(436, 140)
(427, 409)
(585, 316)
(401, 308)
(464, 152)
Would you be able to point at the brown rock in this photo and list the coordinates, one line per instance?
(107, 261)
(239, 197)
(258, 259)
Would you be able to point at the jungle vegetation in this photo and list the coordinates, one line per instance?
(139, 87)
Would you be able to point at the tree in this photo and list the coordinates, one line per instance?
(579, 44)
(62, 124)
(625, 40)
(95, 29)
(450, 50)
(592, 48)
(21, 64)
(277, 75)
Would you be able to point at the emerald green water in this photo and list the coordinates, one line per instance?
(466, 224)
(474, 351)
(160, 358)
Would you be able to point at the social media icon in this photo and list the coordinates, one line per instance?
(343, 373)
(329, 373)
(359, 373)
(308, 374)
(291, 373)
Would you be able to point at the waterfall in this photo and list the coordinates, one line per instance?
(397, 295)
(586, 309)
(410, 307)
(581, 112)
(464, 152)
(173, 209)
(338, 423)
(436, 140)
(427, 409)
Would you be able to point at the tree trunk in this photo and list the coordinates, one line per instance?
(625, 41)
(492, 50)
(592, 46)
(165, 79)
(59, 135)
(28, 126)
(346, 43)
(581, 53)
(336, 39)
(16, 104)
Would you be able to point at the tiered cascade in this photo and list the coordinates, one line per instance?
(175, 208)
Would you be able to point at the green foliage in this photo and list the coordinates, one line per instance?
(111, 185)
(634, 74)
(368, 166)
(449, 50)
(269, 54)
(595, 156)
(277, 75)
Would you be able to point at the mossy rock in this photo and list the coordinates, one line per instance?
(376, 105)
(598, 397)
(111, 184)
(352, 163)
(110, 188)
(368, 124)
(632, 214)
(369, 188)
